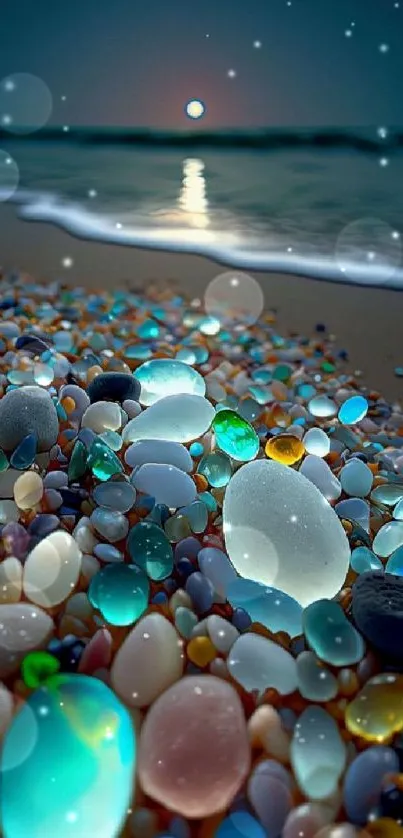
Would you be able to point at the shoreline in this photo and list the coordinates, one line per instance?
(366, 322)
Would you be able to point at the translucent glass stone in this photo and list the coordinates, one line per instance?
(78, 462)
(388, 539)
(102, 461)
(364, 779)
(280, 531)
(120, 592)
(315, 682)
(316, 442)
(322, 407)
(353, 410)
(395, 562)
(167, 377)
(150, 549)
(118, 495)
(259, 664)
(388, 493)
(181, 418)
(330, 634)
(356, 478)
(363, 559)
(216, 468)
(197, 515)
(398, 511)
(43, 374)
(235, 436)
(285, 448)
(110, 524)
(83, 719)
(24, 455)
(268, 606)
(318, 753)
(167, 484)
(376, 713)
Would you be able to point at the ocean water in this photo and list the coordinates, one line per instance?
(318, 203)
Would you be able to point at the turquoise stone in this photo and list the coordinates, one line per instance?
(239, 825)
(148, 330)
(353, 410)
(150, 549)
(272, 608)
(69, 748)
(235, 436)
(185, 621)
(120, 592)
(216, 468)
(163, 377)
(4, 464)
(363, 559)
(388, 493)
(330, 634)
(102, 461)
(397, 512)
(24, 454)
(388, 539)
(196, 449)
(318, 753)
(197, 515)
(315, 682)
(356, 478)
(395, 562)
(78, 462)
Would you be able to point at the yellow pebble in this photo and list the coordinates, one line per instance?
(68, 404)
(384, 828)
(285, 449)
(376, 713)
(201, 651)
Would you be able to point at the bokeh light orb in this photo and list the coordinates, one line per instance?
(195, 109)
(369, 250)
(25, 103)
(9, 176)
(234, 297)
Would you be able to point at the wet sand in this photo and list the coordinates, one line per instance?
(367, 323)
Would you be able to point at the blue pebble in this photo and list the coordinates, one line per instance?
(200, 591)
(353, 410)
(240, 619)
(185, 567)
(24, 455)
(240, 825)
(363, 781)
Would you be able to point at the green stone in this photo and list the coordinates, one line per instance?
(150, 549)
(4, 464)
(282, 372)
(331, 635)
(235, 436)
(328, 367)
(78, 462)
(102, 461)
(37, 667)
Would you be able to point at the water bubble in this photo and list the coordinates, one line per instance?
(9, 176)
(25, 103)
(234, 297)
(368, 250)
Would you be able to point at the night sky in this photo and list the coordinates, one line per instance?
(137, 62)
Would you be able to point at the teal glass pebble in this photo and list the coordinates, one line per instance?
(209, 500)
(398, 511)
(148, 330)
(43, 374)
(82, 720)
(120, 592)
(272, 608)
(216, 468)
(20, 377)
(388, 493)
(185, 621)
(363, 560)
(112, 439)
(197, 515)
(186, 355)
(330, 634)
(250, 410)
(150, 549)
(240, 825)
(395, 562)
(102, 461)
(63, 341)
(318, 753)
(235, 436)
(388, 539)
(315, 682)
(353, 410)
(196, 449)
(164, 377)
(137, 352)
(25, 453)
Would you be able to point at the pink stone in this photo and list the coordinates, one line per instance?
(194, 752)
(97, 653)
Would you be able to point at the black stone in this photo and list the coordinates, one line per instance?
(391, 803)
(377, 610)
(68, 652)
(113, 386)
(31, 343)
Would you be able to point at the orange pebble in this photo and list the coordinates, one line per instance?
(285, 449)
(201, 482)
(384, 828)
(68, 404)
(201, 651)
(93, 372)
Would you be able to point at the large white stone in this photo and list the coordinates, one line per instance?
(163, 377)
(280, 531)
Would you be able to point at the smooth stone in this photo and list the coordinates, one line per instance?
(238, 825)
(271, 800)
(80, 398)
(377, 609)
(102, 461)
(132, 408)
(318, 472)
(28, 490)
(28, 410)
(164, 377)
(102, 416)
(197, 515)
(259, 664)
(322, 407)
(108, 553)
(280, 531)
(355, 509)
(394, 564)
(9, 512)
(185, 621)
(110, 524)
(8, 480)
(331, 635)
(6, 709)
(235, 436)
(158, 451)
(266, 730)
(149, 661)
(23, 629)
(116, 386)
(316, 442)
(222, 634)
(201, 592)
(388, 539)
(117, 495)
(356, 478)
(24, 454)
(268, 606)
(216, 468)
(52, 569)
(364, 779)
(216, 566)
(353, 410)
(179, 418)
(121, 593)
(150, 549)
(31, 343)
(10, 580)
(166, 484)
(200, 715)
(315, 682)
(363, 559)
(306, 820)
(318, 753)
(388, 493)
(81, 718)
(376, 713)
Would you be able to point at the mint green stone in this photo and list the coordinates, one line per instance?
(68, 762)
(235, 436)
(102, 461)
(78, 462)
(216, 468)
(330, 634)
(150, 549)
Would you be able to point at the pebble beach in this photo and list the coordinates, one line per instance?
(201, 573)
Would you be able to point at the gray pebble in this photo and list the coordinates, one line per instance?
(28, 410)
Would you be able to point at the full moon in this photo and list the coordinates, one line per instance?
(195, 109)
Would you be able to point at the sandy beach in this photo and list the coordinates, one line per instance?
(366, 322)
